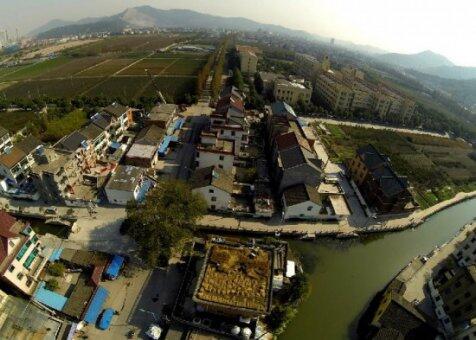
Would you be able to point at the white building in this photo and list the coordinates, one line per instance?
(214, 151)
(291, 91)
(16, 162)
(127, 183)
(215, 185)
(5, 140)
(465, 252)
(301, 202)
(21, 254)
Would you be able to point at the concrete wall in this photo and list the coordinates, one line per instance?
(205, 159)
(305, 210)
(216, 200)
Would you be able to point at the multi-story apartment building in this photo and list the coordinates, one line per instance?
(347, 90)
(16, 161)
(336, 94)
(21, 254)
(291, 91)
(381, 187)
(465, 252)
(5, 140)
(248, 58)
(55, 174)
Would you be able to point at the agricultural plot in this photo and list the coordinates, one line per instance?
(35, 70)
(71, 68)
(154, 67)
(124, 88)
(6, 70)
(185, 67)
(173, 88)
(106, 68)
(56, 88)
(179, 55)
(436, 167)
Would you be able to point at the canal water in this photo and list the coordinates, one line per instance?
(346, 275)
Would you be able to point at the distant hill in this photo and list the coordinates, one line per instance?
(451, 72)
(147, 16)
(49, 26)
(425, 59)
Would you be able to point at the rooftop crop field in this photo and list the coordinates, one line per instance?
(437, 167)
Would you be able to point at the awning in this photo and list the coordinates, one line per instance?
(106, 319)
(95, 306)
(49, 298)
(165, 144)
(55, 256)
(112, 270)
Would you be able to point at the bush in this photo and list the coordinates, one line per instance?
(279, 317)
(52, 284)
(56, 269)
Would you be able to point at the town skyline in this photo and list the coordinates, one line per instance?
(410, 28)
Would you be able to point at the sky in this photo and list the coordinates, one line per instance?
(404, 26)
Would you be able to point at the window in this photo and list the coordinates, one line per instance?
(309, 208)
(29, 281)
(437, 298)
(214, 199)
(211, 191)
(233, 133)
(473, 240)
(466, 247)
(11, 243)
(20, 276)
(220, 166)
(11, 268)
(222, 158)
(212, 207)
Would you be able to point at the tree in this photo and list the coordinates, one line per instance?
(237, 79)
(52, 284)
(167, 216)
(56, 269)
(259, 84)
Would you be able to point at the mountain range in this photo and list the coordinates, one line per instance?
(430, 63)
(147, 16)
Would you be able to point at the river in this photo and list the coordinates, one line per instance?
(348, 273)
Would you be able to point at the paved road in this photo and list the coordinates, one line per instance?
(371, 126)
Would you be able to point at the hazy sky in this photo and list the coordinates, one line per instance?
(408, 26)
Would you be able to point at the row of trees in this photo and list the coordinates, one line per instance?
(218, 69)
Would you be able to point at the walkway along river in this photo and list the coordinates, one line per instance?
(348, 273)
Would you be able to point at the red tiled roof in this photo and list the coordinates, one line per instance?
(287, 140)
(224, 103)
(6, 223)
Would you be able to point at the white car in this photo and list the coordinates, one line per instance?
(154, 332)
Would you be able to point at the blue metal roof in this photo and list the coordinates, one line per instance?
(179, 123)
(55, 256)
(112, 270)
(106, 319)
(95, 306)
(49, 298)
(164, 145)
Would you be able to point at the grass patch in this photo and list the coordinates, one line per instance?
(124, 88)
(172, 88)
(154, 67)
(58, 128)
(185, 67)
(14, 121)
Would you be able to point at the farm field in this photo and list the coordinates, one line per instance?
(90, 70)
(154, 67)
(34, 70)
(436, 167)
(56, 88)
(106, 68)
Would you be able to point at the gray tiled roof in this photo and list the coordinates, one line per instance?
(214, 176)
(300, 193)
(71, 142)
(292, 157)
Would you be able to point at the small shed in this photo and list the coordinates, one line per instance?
(114, 267)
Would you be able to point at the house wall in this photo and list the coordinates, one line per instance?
(216, 199)
(119, 197)
(306, 210)
(5, 141)
(205, 159)
(465, 253)
(238, 136)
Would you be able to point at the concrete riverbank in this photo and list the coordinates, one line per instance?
(311, 230)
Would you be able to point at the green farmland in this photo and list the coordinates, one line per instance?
(436, 167)
(113, 68)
